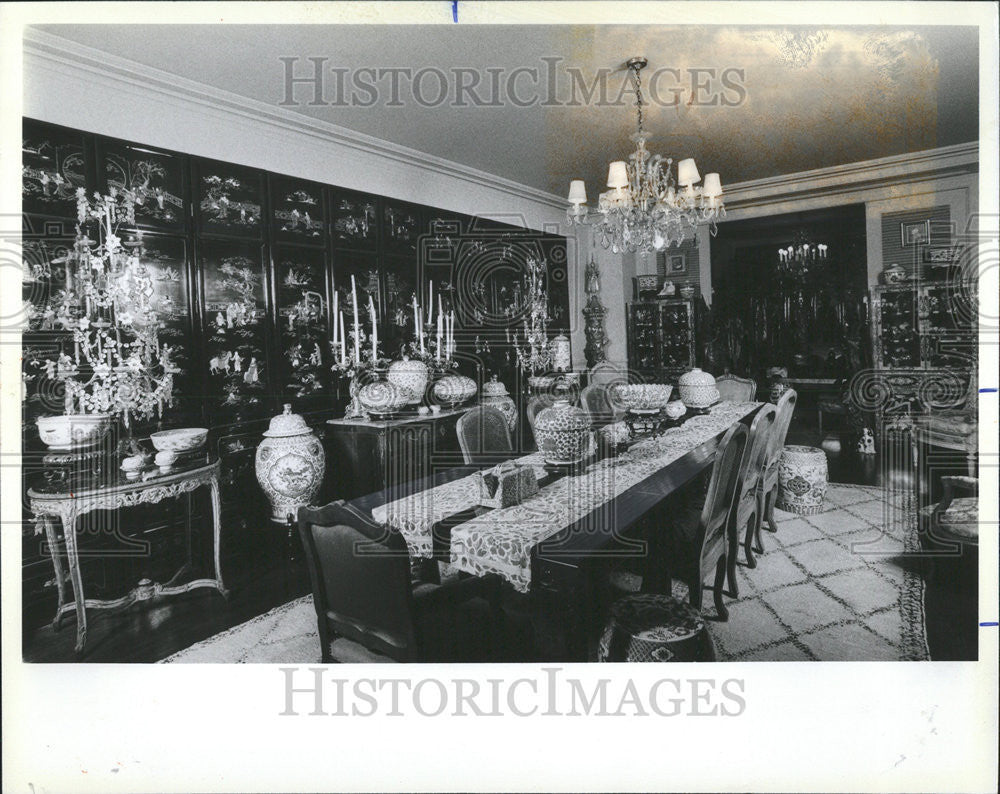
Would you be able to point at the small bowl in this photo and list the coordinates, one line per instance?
(180, 440)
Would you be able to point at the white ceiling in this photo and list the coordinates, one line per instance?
(813, 97)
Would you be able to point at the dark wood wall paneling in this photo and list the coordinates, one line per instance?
(238, 250)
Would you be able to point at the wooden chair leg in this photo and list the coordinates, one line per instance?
(769, 509)
(753, 530)
(696, 591)
(748, 542)
(720, 580)
(731, 557)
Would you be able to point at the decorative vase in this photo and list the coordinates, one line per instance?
(562, 433)
(289, 464)
(382, 398)
(73, 431)
(495, 395)
(411, 376)
(561, 359)
(668, 290)
(455, 389)
(697, 389)
(778, 388)
(686, 291)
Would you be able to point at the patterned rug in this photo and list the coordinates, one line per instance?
(835, 586)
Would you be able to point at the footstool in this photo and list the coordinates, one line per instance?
(802, 479)
(655, 628)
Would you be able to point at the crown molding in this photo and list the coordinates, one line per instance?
(883, 172)
(63, 53)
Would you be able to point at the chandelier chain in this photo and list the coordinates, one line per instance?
(637, 82)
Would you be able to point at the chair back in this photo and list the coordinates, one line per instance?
(605, 373)
(722, 484)
(753, 461)
(483, 436)
(360, 575)
(735, 389)
(779, 430)
(594, 400)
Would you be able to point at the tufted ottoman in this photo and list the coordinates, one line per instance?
(802, 479)
(655, 628)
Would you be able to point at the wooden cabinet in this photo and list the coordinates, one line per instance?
(365, 457)
(661, 338)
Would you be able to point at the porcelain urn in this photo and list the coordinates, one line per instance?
(561, 359)
(290, 463)
(383, 398)
(411, 376)
(562, 433)
(495, 395)
(455, 389)
(697, 389)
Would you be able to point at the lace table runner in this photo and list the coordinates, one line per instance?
(501, 541)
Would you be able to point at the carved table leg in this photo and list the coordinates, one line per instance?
(217, 531)
(53, 541)
(73, 554)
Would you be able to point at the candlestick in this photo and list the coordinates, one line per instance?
(430, 293)
(357, 336)
(336, 314)
(416, 317)
(343, 346)
(371, 311)
(437, 354)
(420, 329)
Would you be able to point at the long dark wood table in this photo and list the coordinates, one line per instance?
(563, 566)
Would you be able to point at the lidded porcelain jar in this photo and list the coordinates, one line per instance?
(697, 388)
(289, 463)
(562, 433)
(411, 376)
(495, 395)
(561, 359)
(383, 398)
(455, 389)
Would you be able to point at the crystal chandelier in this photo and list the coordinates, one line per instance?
(803, 252)
(646, 208)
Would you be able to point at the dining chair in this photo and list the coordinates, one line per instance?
(746, 503)
(768, 488)
(367, 609)
(735, 389)
(594, 399)
(698, 543)
(484, 436)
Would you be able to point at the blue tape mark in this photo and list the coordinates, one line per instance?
(454, 10)
(987, 391)
(989, 623)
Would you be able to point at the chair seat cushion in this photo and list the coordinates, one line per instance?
(957, 424)
(653, 628)
(960, 519)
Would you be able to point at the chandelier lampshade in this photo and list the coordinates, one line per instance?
(646, 207)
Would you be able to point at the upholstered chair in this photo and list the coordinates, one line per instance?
(767, 491)
(746, 505)
(367, 608)
(735, 389)
(484, 436)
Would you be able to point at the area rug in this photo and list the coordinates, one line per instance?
(840, 585)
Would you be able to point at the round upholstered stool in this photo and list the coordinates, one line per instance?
(655, 628)
(802, 479)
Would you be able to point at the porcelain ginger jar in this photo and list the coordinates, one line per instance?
(697, 388)
(290, 463)
(411, 376)
(562, 433)
(495, 395)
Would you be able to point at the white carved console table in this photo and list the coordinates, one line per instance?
(68, 504)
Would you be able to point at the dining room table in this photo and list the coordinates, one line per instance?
(552, 544)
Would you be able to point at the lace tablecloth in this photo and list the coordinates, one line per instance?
(501, 541)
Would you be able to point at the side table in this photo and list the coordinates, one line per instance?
(67, 504)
